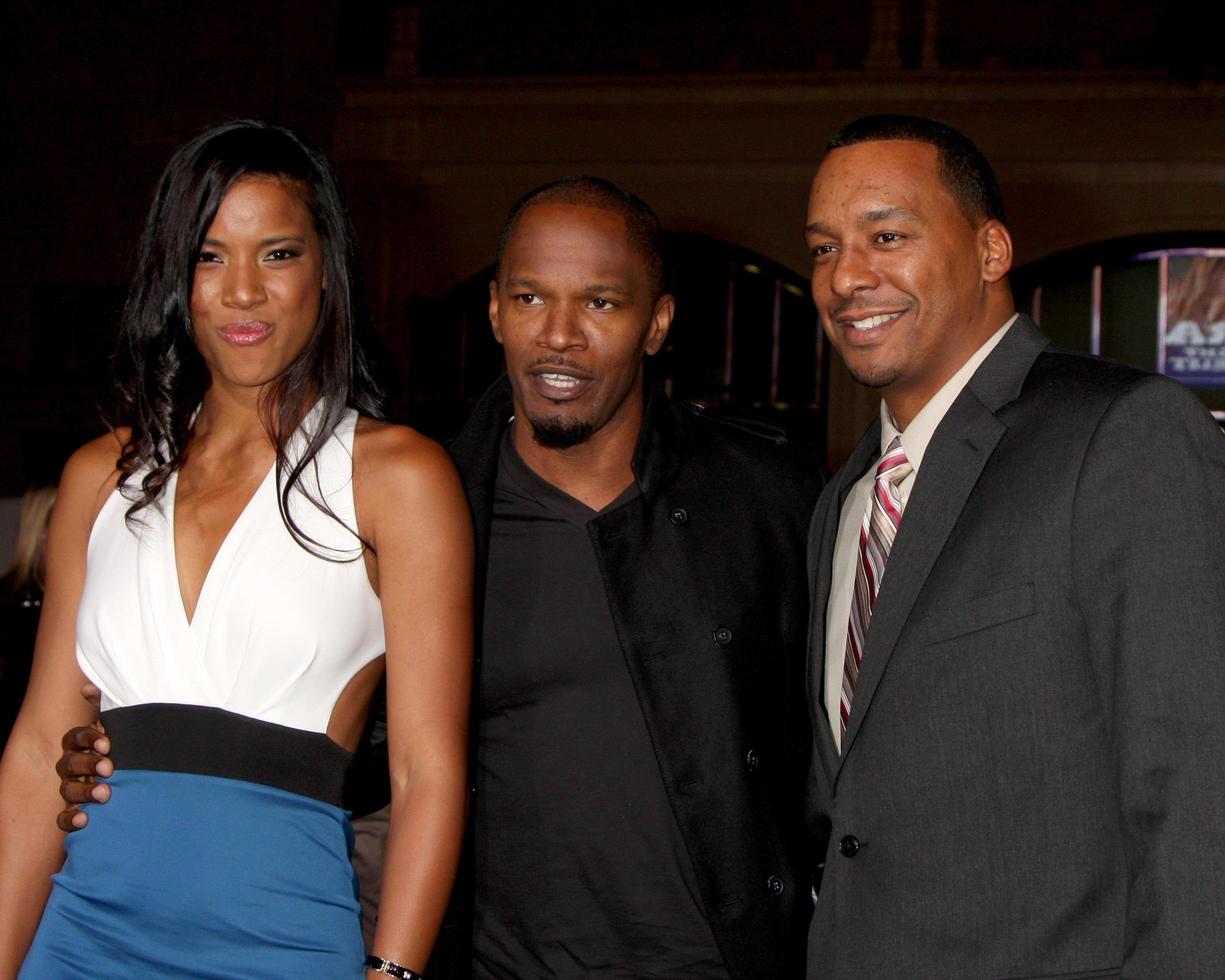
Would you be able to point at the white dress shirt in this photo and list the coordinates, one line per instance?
(846, 546)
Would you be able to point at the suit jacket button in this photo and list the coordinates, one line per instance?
(678, 516)
(723, 636)
(751, 760)
(849, 846)
(774, 885)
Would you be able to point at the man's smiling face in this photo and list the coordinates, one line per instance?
(575, 312)
(899, 274)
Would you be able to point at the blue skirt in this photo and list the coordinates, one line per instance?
(185, 875)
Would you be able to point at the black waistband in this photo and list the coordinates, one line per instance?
(215, 742)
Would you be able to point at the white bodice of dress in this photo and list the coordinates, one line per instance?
(278, 631)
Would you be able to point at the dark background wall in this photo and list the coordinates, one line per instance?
(1104, 119)
(95, 98)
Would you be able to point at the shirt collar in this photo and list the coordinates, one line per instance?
(923, 426)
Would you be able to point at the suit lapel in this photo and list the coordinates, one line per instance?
(955, 457)
(822, 537)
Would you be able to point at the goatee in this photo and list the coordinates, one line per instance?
(882, 378)
(560, 433)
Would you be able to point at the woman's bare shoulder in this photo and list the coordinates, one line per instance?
(410, 506)
(92, 472)
(387, 451)
(405, 482)
(91, 475)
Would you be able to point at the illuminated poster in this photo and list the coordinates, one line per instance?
(1193, 337)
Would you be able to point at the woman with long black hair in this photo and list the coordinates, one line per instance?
(229, 566)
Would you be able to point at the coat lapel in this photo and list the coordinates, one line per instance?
(960, 448)
(475, 451)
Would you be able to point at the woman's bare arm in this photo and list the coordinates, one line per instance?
(412, 508)
(31, 847)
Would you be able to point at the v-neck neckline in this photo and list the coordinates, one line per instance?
(222, 549)
(513, 469)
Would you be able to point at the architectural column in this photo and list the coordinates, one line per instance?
(930, 58)
(402, 61)
(884, 50)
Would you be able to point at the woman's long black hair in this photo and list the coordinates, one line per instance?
(160, 376)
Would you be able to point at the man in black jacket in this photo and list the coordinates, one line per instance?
(640, 730)
(639, 709)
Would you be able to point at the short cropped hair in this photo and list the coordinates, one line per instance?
(641, 223)
(963, 168)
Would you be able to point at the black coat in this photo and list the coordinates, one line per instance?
(705, 575)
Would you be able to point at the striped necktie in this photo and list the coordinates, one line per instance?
(880, 524)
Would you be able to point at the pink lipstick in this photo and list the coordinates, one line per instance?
(246, 334)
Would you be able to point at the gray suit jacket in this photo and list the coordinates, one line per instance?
(1033, 782)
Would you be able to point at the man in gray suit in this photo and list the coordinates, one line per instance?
(1017, 646)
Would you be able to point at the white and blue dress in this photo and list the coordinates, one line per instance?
(224, 850)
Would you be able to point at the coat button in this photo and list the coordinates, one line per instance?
(723, 636)
(751, 760)
(774, 885)
(849, 846)
(678, 516)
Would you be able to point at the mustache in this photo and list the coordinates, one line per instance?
(850, 310)
(557, 360)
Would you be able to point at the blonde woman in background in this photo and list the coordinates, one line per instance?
(21, 600)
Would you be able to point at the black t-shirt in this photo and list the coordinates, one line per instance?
(581, 870)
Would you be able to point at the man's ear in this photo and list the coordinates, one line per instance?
(493, 311)
(661, 321)
(995, 249)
